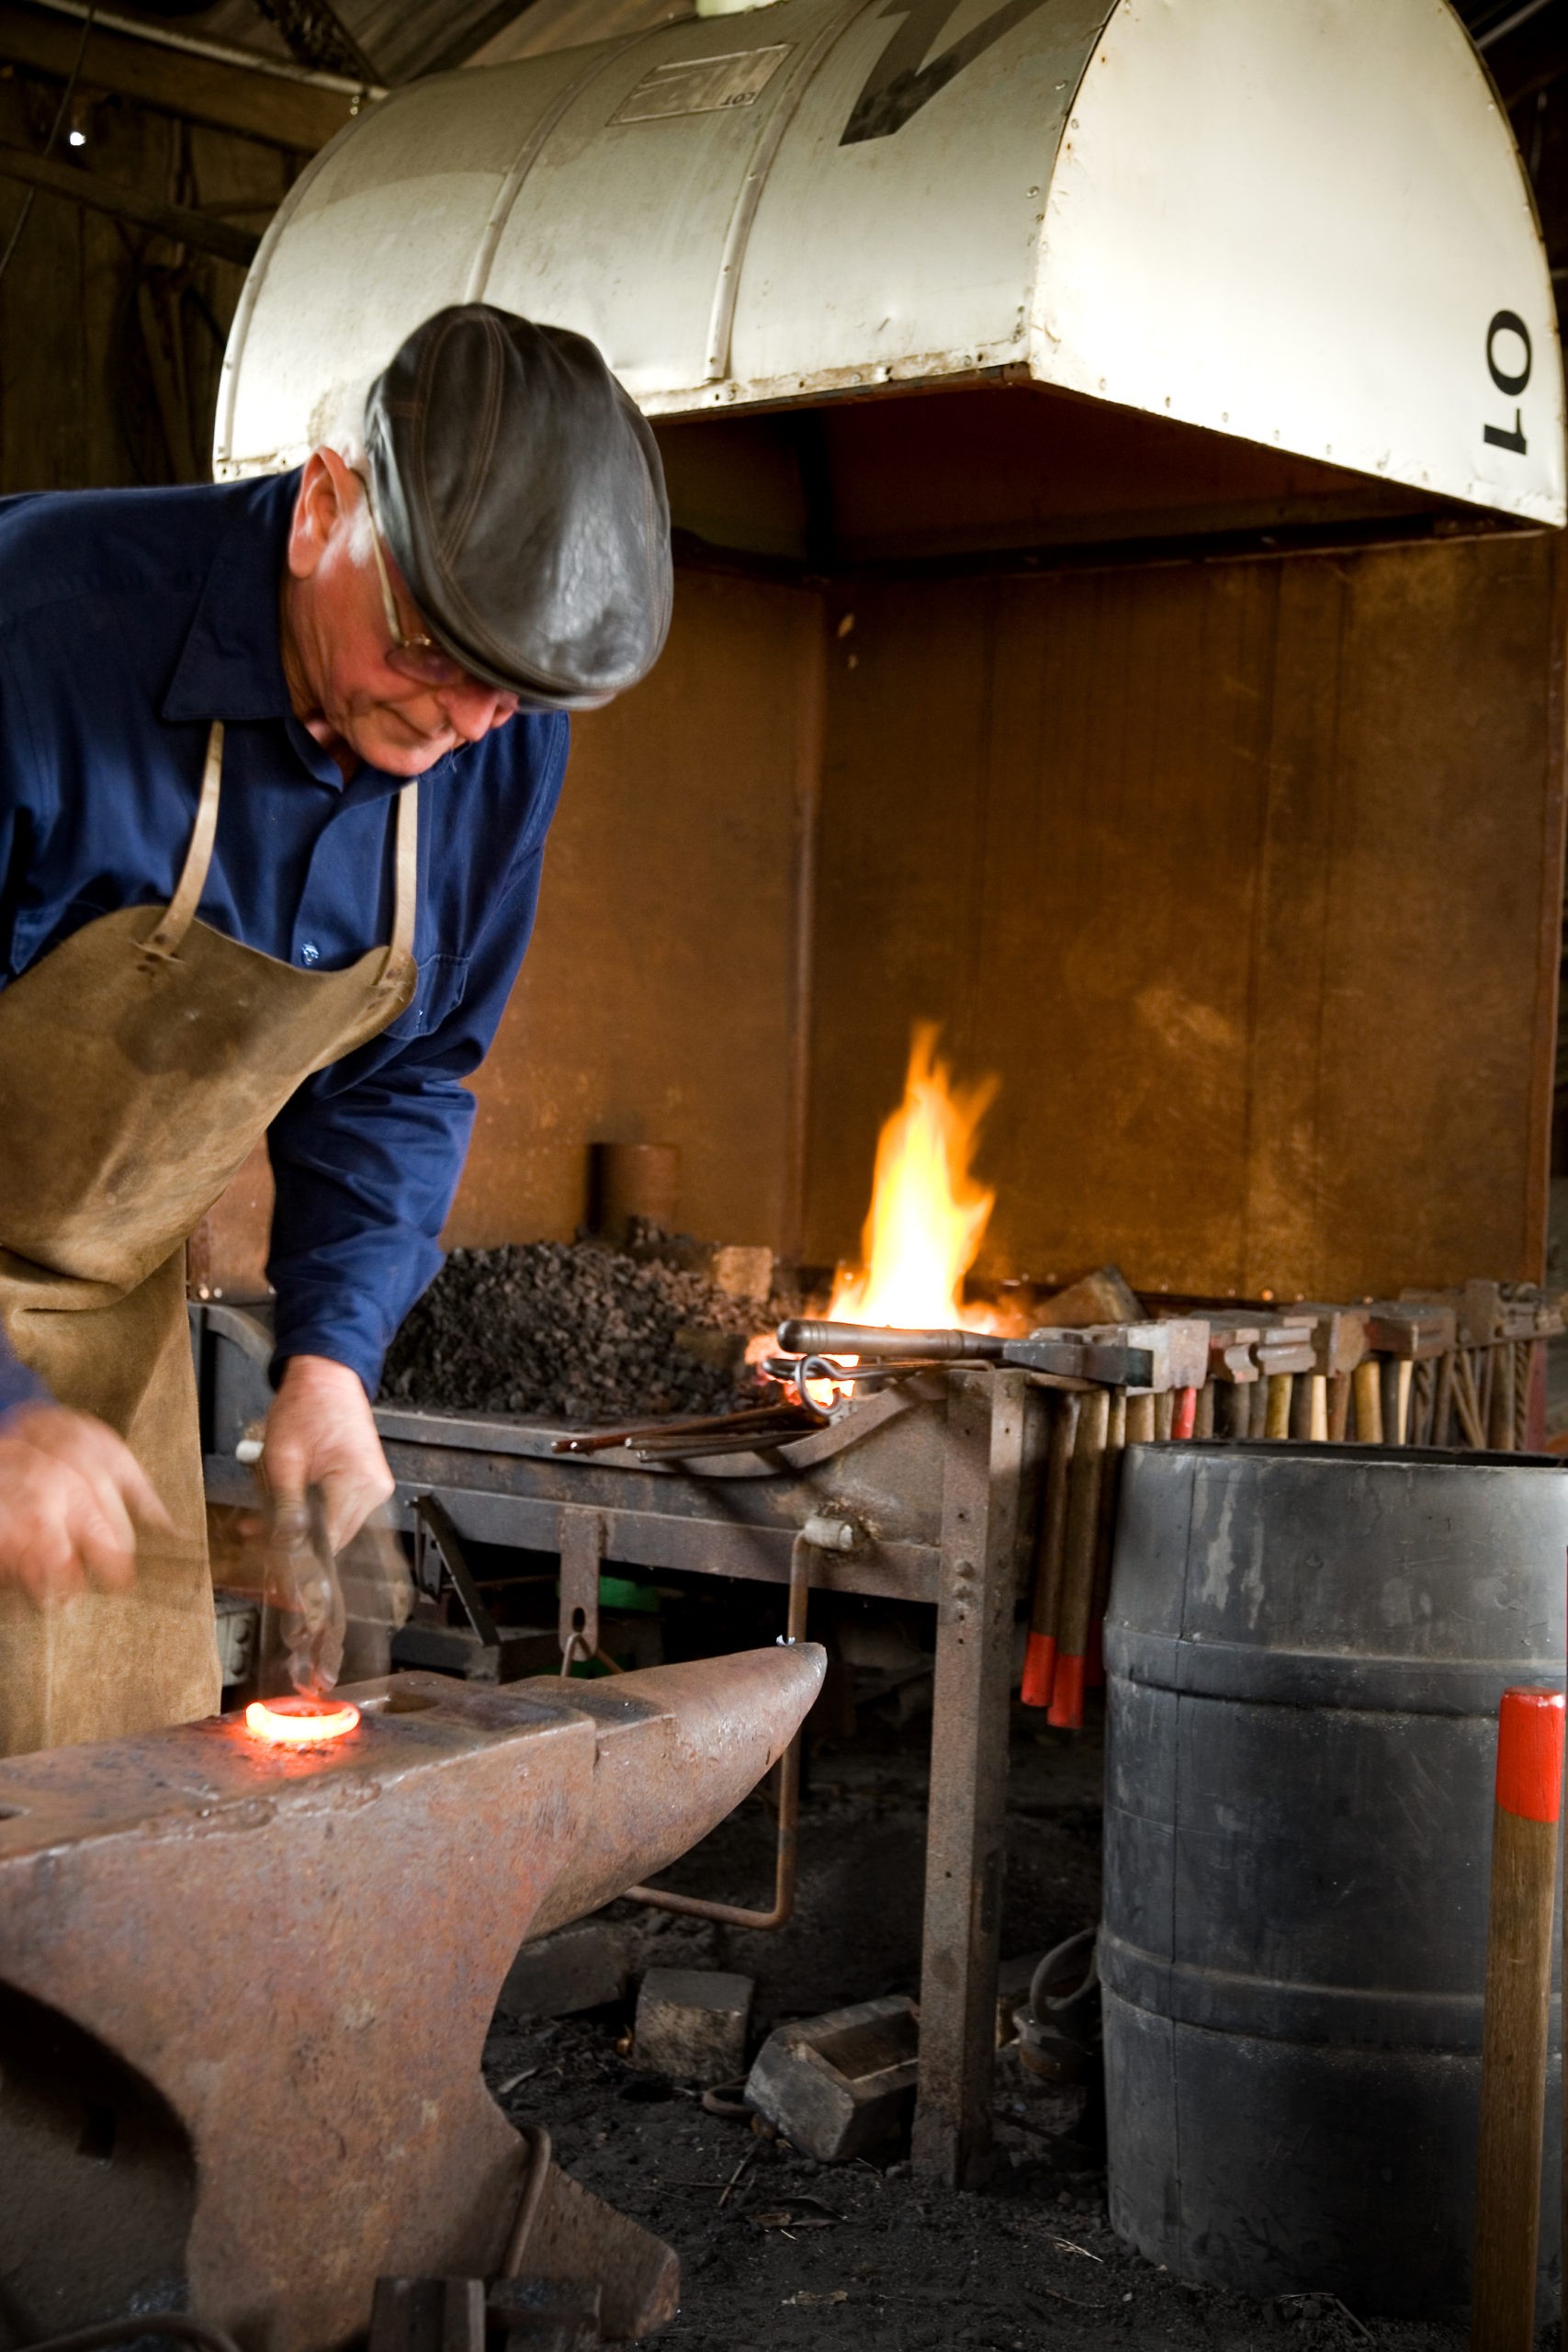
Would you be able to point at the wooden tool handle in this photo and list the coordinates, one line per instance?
(1500, 1433)
(1277, 1411)
(1517, 2020)
(1109, 1492)
(1078, 1572)
(1367, 1383)
(1045, 1602)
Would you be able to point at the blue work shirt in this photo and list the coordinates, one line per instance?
(128, 621)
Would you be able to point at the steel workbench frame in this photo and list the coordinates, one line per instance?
(937, 1480)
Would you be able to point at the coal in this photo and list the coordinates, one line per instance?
(575, 1331)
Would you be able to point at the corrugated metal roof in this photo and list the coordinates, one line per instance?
(407, 38)
(404, 38)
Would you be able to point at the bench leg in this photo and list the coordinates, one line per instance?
(965, 1851)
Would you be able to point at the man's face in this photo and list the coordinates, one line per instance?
(340, 654)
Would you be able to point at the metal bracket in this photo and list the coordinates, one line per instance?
(582, 1541)
(438, 1550)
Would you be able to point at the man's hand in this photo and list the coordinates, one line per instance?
(321, 1433)
(70, 1493)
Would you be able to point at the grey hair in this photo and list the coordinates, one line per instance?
(337, 424)
(337, 420)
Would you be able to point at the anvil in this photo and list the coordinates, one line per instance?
(245, 1989)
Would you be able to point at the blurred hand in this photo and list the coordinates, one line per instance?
(321, 1433)
(70, 1494)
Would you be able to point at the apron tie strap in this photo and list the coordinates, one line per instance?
(165, 941)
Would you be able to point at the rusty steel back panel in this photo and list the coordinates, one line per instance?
(1244, 876)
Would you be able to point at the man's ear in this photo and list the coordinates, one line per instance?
(319, 507)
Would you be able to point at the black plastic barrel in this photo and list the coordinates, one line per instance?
(1305, 1647)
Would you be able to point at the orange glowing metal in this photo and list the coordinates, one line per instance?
(300, 1723)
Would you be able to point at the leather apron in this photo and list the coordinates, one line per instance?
(141, 1061)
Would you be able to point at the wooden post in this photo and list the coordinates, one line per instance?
(969, 1759)
(1515, 2030)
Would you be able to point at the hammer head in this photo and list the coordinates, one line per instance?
(245, 1989)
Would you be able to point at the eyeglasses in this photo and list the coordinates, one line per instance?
(417, 656)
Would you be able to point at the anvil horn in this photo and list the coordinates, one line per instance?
(245, 1989)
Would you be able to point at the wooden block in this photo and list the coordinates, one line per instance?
(1104, 1297)
(692, 2022)
(742, 1269)
(838, 2085)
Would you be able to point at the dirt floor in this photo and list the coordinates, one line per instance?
(777, 2251)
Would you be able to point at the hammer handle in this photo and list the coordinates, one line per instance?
(1077, 1572)
(870, 1341)
(1367, 1381)
(1045, 1600)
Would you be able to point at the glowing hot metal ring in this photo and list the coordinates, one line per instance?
(300, 1723)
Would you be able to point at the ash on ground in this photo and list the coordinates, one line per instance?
(574, 1331)
(779, 2253)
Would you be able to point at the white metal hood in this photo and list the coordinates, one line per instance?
(1298, 223)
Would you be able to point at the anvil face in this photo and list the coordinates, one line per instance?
(245, 1989)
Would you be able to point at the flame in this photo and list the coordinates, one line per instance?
(301, 1722)
(928, 1214)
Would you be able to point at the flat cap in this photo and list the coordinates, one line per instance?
(523, 496)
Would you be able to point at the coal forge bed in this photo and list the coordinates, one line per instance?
(923, 1492)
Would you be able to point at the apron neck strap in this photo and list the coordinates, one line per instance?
(400, 950)
(180, 911)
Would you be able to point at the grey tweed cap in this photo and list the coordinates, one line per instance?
(523, 496)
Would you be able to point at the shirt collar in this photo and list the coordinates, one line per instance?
(230, 665)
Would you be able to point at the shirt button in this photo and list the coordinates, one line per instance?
(310, 952)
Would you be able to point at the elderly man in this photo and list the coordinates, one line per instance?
(228, 910)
